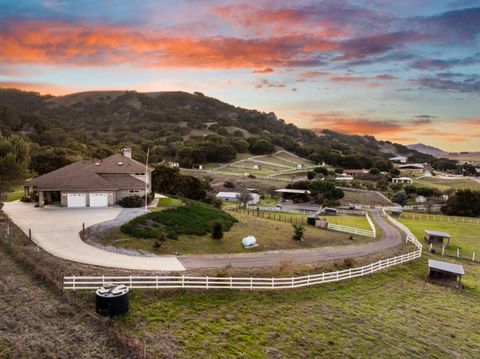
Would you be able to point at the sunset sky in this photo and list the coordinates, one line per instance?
(406, 71)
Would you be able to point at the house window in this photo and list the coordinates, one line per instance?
(133, 191)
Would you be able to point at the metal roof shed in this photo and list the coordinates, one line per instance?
(432, 236)
(445, 273)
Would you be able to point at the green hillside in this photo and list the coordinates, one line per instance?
(190, 128)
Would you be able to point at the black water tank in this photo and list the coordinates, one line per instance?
(112, 300)
(311, 220)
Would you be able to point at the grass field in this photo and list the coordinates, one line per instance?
(393, 314)
(270, 235)
(344, 220)
(464, 236)
(35, 322)
(444, 184)
(14, 196)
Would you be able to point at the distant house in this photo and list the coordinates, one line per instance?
(420, 199)
(295, 194)
(354, 172)
(402, 180)
(173, 164)
(93, 183)
(398, 159)
(342, 177)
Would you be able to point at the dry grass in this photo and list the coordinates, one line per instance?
(270, 235)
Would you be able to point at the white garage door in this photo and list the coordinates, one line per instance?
(76, 200)
(98, 200)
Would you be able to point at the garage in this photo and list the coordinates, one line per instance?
(98, 199)
(75, 200)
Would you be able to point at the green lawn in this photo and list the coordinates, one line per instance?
(270, 235)
(464, 236)
(444, 184)
(169, 202)
(344, 220)
(14, 196)
(393, 314)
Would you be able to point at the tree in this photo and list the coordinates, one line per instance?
(400, 198)
(244, 198)
(298, 231)
(14, 161)
(217, 230)
(311, 175)
(463, 203)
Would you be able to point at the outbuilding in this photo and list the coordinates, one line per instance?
(402, 180)
(396, 212)
(436, 237)
(445, 273)
(330, 211)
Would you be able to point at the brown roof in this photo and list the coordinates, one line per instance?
(110, 173)
(124, 181)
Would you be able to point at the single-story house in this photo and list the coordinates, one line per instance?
(355, 172)
(436, 236)
(445, 273)
(402, 180)
(342, 177)
(93, 183)
(420, 199)
(234, 197)
(398, 159)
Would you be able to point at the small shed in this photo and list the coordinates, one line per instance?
(436, 237)
(396, 212)
(330, 211)
(445, 273)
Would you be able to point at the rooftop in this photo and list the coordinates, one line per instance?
(437, 233)
(228, 194)
(446, 267)
(293, 191)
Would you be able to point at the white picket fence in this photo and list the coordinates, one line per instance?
(165, 282)
(351, 230)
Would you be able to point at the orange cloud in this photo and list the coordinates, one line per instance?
(97, 44)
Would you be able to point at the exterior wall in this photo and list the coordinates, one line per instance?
(122, 193)
(142, 178)
(229, 199)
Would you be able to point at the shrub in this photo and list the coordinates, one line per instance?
(228, 184)
(132, 202)
(25, 199)
(217, 231)
(298, 230)
(195, 218)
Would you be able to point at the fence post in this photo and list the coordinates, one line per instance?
(156, 280)
(293, 280)
(458, 252)
(430, 249)
(103, 280)
(207, 281)
(337, 275)
(183, 280)
(231, 282)
(308, 279)
(473, 257)
(251, 283)
(130, 282)
(74, 287)
(443, 250)
(273, 282)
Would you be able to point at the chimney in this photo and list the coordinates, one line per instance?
(127, 152)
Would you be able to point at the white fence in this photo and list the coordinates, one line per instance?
(352, 230)
(165, 282)
(432, 217)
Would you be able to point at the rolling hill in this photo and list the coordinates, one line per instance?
(191, 128)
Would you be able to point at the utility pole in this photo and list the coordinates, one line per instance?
(146, 180)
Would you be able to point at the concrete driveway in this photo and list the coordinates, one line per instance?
(56, 230)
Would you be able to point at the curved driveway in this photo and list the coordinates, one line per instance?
(57, 229)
